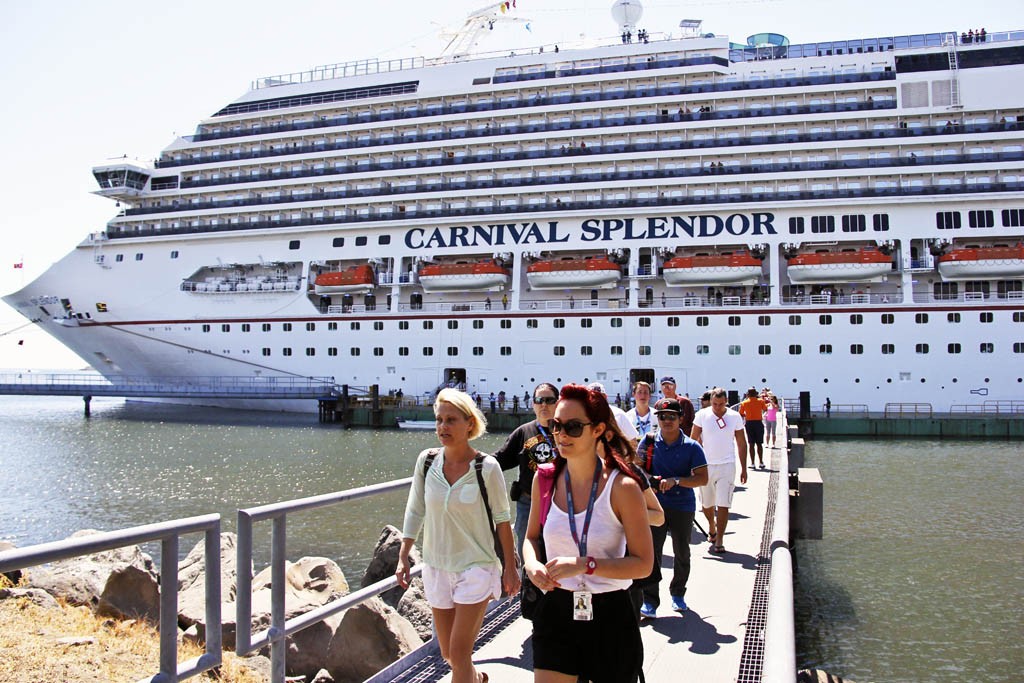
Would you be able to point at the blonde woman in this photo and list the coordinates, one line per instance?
(461, 571)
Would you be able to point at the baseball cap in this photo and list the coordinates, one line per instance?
(597, 386)
(668, 379)
(668, 405)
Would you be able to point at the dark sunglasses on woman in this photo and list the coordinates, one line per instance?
(573, 428)
(546, 400)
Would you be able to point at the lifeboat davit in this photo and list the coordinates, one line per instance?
(973, 263)
(712, 269)
(594, 272)
(476, 275)
(859, 265)
(352, 279)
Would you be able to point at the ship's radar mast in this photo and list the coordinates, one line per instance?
(626, 14)
(463, 41)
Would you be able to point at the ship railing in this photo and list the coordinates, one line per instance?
(969, 297)
(841, 299)
(993, 407)
(168, 533)
(242, 384)
(908, 410)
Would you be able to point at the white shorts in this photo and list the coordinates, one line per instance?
(718, 491)
(444, 589)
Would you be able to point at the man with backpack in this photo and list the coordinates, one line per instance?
(677, 466)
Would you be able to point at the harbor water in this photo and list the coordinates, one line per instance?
(920, 576)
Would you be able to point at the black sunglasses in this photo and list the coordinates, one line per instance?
(573, 427)
(668, 416)
(546, 400)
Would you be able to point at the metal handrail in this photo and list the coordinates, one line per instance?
(167, 533)
(280, 628)
(779, 663)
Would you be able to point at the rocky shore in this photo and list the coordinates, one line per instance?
(347, 647)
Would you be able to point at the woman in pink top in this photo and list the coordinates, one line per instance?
(771, 417)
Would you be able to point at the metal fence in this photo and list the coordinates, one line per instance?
(168, 534)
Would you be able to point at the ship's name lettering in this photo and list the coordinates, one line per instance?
(675, 227)
(495, 235)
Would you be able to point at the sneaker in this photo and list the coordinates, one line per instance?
(678, 604)
(648, 611)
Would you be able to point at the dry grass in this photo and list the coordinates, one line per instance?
(118, 650)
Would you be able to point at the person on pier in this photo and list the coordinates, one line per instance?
(752, 409)
(597, 540)
(719, 430)
(455, 490)
(640, 415)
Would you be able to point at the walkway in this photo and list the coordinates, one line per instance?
(718, 640)
(92, 384)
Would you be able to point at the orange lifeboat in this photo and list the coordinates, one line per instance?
(592, 272)
(352, 279)
(465, 275)
(972, 263)
(855, 265)
(738, 267)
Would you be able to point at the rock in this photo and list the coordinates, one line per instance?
(384, 562)
(121, 582)
(258, 665)
(190, 635)
(322, 676)
(413, 606)
(37, 596)
(192, 580)
(371, 637)
(14, 576)
(306, 650)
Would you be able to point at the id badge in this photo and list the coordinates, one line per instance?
(582, 606)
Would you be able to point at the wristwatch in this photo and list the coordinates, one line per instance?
(677, 481)
(591, 565)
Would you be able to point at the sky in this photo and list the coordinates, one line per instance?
(90, 81)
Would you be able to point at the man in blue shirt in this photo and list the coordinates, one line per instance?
(677, 466)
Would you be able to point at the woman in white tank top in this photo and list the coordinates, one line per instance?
(597, 540)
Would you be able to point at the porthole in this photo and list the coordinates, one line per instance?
(889, 381)
(825, 381)
(857, 381)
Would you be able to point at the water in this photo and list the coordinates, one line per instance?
(920, 576)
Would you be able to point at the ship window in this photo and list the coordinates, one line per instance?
(825, 319)
(478, 350)
(888, 318)
(854, 223)
(403, 324)
(453, 350)
(953, 348)
(703, 349)
(559, 350)
(453, 324)
(310, 327)
(796, 225)
(644, 350)
(734, 321)
(946, 290)
(353, 326)
(952, 317)
(428, 324)
(428, 350)
(286, 351)
(558, 323)
(586, 322)
(644, 321)
(881, 222)
(531, 324)
(361, 241)
(1013, 218)
(378, 326)
(981, 219)
(332, 350)
(616, 351)
(293, 244)
(332, 326)
(856, 349)
(506, 324)
(265, 351)
(174, 254)
(384, 239)
(947, 220)
(225, 328)
(734, 349)
(119, 257)
(822, 224)
(246, 327)
(702, 321)
(478, 324)
(310, 351)
(856, 319)
(985, 317)
(795, 349)
(1018, 347)
(403, 350)
(921, 318)
(825, 349)
(795, 320)
(354, 351)
(888, 349)
(287, 327)
(338, 242)
(138, 257)
(673, 350)
(206, 328)
(266, 327)
(673, 321)
(921, 348)
(764, 320)
(616, 322)
(586, 350)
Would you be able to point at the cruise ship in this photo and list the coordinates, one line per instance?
(843, 218)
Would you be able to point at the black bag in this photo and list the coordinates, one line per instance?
(529, 594)
(515, 492)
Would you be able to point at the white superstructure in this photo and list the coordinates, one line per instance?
(848, 168)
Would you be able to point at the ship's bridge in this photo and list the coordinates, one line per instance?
(122, 179)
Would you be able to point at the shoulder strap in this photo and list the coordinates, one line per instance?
(478, 465)
(431, 455)
(546, 488)
(648, 447)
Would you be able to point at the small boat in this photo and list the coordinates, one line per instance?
(463, 275)
(359, 278)
(975, 262)
(848, 265)
(591, 272)
(737, 267)
(415, 424)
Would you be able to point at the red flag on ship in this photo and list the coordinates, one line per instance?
(19, 264)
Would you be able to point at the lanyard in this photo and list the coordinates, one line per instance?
(543, 433)
(581, 543)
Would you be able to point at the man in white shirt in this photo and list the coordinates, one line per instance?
(640, 415)
(719, 429)
(625, 424)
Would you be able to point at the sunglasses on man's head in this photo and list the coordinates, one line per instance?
(546, 400)
(573, 427)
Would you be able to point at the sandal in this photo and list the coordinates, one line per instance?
(718, 549)
(712, 538)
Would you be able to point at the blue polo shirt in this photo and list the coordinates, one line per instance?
(672, 460)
